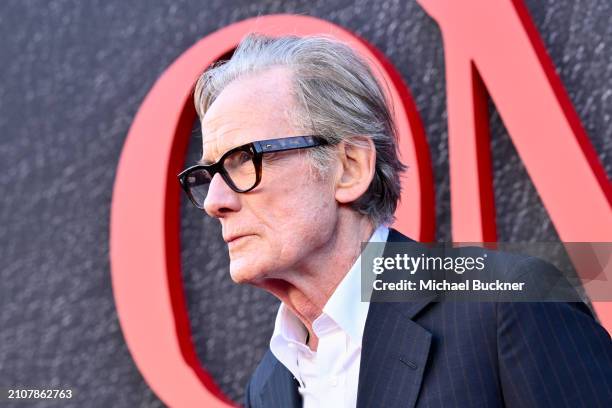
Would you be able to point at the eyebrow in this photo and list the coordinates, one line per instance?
(204, 162)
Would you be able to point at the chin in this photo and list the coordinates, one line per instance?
(242, 271)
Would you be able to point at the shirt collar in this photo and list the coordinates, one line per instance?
(344, 307)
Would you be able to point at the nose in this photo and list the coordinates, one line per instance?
(220, 199)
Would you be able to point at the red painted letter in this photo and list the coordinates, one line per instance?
(145, 248)
(497, 41)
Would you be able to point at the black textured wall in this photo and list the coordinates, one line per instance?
(73, 74)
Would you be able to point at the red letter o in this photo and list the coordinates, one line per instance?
(144, 239)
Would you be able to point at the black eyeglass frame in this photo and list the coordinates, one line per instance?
(257, 149)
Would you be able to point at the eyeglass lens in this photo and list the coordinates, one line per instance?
(240, 168)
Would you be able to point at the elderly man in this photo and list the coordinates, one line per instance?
(300, 166)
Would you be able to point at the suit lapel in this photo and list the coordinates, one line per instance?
(280, 389)
(394, 351)
(393, 358)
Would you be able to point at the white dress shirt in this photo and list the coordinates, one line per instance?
(329, 376)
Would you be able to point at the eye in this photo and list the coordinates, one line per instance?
(237, 159)
(242, 157)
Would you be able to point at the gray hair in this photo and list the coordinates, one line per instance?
(337, 97)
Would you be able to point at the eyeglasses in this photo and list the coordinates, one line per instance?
(240, 167)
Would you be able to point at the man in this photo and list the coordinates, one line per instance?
(300, 166)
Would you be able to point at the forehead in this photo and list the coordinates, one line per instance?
(257, 107)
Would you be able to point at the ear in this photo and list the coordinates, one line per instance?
(355, 169)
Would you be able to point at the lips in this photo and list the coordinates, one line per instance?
(230, 238)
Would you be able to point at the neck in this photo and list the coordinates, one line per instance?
(306, 289)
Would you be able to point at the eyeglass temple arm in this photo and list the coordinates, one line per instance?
(288, 143)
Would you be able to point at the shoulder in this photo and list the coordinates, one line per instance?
(396, 236)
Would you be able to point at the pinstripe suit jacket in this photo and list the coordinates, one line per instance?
(467, 354)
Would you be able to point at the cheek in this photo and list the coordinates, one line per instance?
(308, 219)
(292, 193)
(306, 199)
(293, 217)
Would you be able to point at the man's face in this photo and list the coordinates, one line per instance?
(292, 213)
